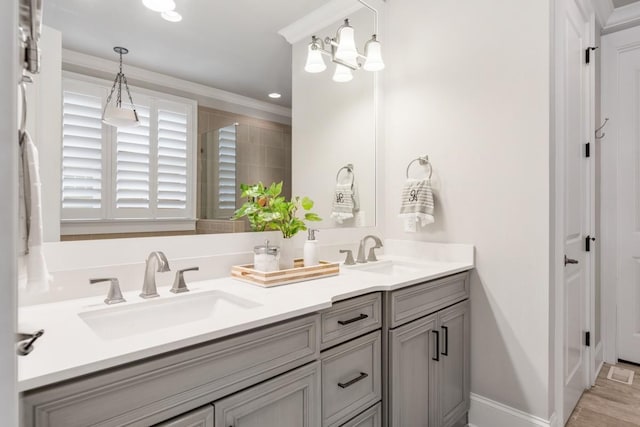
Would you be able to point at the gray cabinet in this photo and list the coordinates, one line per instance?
(202, 417)
(429, 369)
(372, 417)
(290, 400)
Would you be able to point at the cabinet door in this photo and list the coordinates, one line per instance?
(202, 417)
(412, 372)
(290, 400)
(453, 390)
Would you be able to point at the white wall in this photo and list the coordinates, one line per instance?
(8, 211)
(468, 83)
(334, 124)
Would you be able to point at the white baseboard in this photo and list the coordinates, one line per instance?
(489, 413)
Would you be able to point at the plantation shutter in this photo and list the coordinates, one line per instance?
(172, 160)
(227, 168)
(133, 163)
(82, 158)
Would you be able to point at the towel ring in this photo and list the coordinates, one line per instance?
(423, 161)
(349, 169)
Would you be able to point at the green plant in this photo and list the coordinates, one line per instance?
(267, 210)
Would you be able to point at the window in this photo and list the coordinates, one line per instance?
(111, 175)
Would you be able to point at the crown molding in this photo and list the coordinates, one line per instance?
(320, 18)
(205, 95)
(622, 18)
(603, 10)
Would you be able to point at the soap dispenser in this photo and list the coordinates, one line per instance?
(311, 249)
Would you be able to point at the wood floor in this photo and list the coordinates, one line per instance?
(609, 403)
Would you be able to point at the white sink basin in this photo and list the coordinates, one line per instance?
(390, 267)
(126, 320)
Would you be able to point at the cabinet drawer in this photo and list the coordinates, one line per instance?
(351, 378)
(349, 319)
(154, 390)
(372, 417)
(290, 400)
(420, 300)
(202, 417)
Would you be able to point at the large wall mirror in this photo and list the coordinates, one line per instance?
(207, 124)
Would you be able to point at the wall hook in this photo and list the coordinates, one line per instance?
(600, 128)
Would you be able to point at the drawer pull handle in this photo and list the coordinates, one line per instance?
(353, 381)
(355, 319)
(445, 331)
(437, 357)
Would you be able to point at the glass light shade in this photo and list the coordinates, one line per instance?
(346, 50)
(159, 5)
(315, 62)
(373, 52)
(120, 117)
(342, 74)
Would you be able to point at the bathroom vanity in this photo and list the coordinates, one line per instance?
(383, 344)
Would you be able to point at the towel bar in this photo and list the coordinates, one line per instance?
(423, 161)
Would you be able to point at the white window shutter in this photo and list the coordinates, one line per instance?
(227, 168)
(132, 167)
(172, 160)
(82, 161)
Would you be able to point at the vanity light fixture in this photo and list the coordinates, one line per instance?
(344, 54)
(114, 113)
(159, 5)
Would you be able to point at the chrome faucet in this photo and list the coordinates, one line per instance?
(156, 261)
(372, 253)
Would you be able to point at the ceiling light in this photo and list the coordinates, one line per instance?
(114, 113)
(275, 95)
(171, 16)
(159, 5)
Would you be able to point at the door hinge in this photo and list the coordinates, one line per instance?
(587, 339)
(587, 243)
(587, 54)
(587, 149)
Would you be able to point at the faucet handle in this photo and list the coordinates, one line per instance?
(115, 295)
(179, 284)
(349, 260)
(372, 254)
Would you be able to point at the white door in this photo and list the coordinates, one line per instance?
(628, 141)
(573, 112)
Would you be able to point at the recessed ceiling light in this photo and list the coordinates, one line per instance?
(171, 16)
(275, 95)
(159, 5)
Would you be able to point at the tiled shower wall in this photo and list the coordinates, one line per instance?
(263, 154)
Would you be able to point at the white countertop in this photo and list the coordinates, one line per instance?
(70, 348)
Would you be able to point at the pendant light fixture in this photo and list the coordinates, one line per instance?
(344, 54)
(114, 113)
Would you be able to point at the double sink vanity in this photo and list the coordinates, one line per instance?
(384, 343)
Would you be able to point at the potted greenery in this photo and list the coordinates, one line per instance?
(267, 210)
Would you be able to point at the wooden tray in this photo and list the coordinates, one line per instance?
(298, 273)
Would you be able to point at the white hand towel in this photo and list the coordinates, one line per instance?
(343, 203)
(346, 200)
(417, 202)
(33, 272)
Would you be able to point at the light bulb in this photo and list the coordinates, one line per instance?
(346, 50)
(159, 5)
(373, 52)
(342, 74)
(315, 62)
